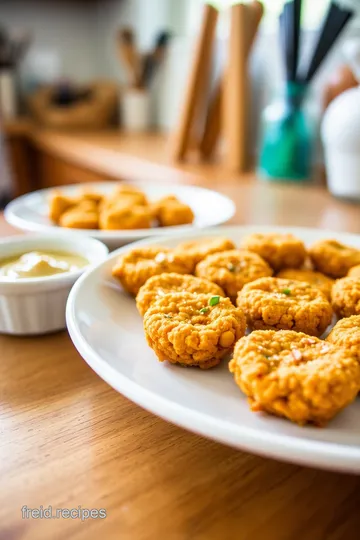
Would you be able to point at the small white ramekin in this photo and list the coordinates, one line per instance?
(34, 306)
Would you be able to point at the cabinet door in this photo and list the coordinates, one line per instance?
(53, 171)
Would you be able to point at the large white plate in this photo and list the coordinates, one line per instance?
(107, 331)
(30, 212)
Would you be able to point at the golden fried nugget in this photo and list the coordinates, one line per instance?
(157, 286)
(80, 218)
(92, 196)
(278, 250)
(333, 258)
(197, 250)
(59, 204)
(124, 195)
(175, 213)
(193, 329)
(231, 270)
(86, 204)
(125, 200)
(284, 304)
(129, 191)
(160, 203)
(317, 279)
(170, 211)
(346, 333)
(136, 266)
(345, 296)
(125, 217)
(293, 375)
(354, 271)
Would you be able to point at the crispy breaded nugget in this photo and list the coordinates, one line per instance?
(346, 333)
(345, 296)
(175, 213)
(126, 200)
(127, 190)
(88, 195)
(86, 204)
(193, 329)
(160, 203)
(136, 266)
(317, 279)
(333, 258)
(233, 269)
(124, 195)
(80, 217)
(170, 211)
(125, 217)
(197, 250)
(296, 376)
(284, 304)
(354, 271)
(59, 203)
(278, 250)
(157, 286)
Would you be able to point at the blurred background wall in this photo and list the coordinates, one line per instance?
(76, 40)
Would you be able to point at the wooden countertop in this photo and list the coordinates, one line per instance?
(68, 439)
(118, 155)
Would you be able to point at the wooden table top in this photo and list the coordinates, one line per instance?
(68, 439)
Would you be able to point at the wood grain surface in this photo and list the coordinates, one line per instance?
(67, 439)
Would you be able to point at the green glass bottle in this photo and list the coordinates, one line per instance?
(288, 138)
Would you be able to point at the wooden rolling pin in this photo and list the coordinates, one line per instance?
(235, 91)
(197, 85)
(213, 124)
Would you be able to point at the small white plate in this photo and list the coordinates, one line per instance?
(107, 331)
(30, 212)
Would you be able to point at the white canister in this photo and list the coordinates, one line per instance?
(8, 108)
(340, 132)
(136, 110)
(341, 138)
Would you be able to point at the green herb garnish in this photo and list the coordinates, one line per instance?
(204, 310)
(167, 316)
(214, 300)
(286, 291)
(231, 267)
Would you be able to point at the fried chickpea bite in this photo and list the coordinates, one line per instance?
(333, 258)
(346, 333)
(197, 250)
(295, 376)
(125, 217)
(231, 270)
(79, 217)
(317, 279)
(345, 297)
(354, 271)
(284, 304)
(157, 286)
(193, 329)
(59, 204)
(278, 250)
(136, 266)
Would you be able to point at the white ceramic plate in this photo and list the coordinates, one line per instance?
(30, 212)
(107, 331)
